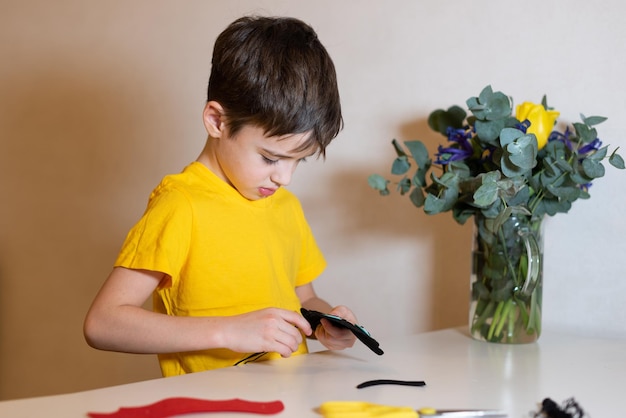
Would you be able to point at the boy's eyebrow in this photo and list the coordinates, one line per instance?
(274, 154)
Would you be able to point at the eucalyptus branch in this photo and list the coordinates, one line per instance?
(504, 168)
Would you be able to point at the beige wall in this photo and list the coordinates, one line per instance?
(99, 100)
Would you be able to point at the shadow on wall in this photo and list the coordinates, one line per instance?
(365, 220)
(67, 150)
(450, 241)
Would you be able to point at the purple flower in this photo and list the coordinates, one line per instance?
(592, 146)
(563, 137)
(523, 126)
(460, 149)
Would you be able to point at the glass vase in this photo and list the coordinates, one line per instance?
(506, 279)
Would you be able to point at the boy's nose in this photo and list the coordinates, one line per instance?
(282, 175)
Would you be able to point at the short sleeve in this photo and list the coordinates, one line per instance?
(160, 240)
(312, 261)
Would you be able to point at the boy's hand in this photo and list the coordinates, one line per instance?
(333, 337)
(267, 330)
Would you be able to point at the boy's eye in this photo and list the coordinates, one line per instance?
(269, 160)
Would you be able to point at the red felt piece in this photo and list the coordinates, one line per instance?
(172, 407)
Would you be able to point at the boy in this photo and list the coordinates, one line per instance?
(223, 248)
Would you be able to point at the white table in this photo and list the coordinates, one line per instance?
(459, 373)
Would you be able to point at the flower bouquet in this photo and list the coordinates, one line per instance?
(507, 171)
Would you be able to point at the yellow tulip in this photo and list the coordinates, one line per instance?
(541, 120)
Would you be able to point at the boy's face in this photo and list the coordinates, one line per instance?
(254, 164)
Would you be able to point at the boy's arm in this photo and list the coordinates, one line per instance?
(334, 338)
(117, 321)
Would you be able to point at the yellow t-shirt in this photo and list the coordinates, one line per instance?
(224, 254)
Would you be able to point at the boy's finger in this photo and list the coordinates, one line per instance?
(344, 312)
(298, 320)
(334, 330)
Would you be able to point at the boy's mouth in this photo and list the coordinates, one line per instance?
(266, 191)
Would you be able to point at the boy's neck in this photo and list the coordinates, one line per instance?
(207, 158)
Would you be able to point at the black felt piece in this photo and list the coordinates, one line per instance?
(314, 318)
(391, 382)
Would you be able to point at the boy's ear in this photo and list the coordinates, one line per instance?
(213, 117)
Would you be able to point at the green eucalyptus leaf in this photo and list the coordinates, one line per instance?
(534, 182)
(567, 193)
(488, 131)
(562, 206)
(490, 105)
(563, 165)
(417, 197)
(450, 196)
(485, 94)
(418, 152)
(555, 149)
(507, 187)
(547, 180)
(467, 188)
(561, 154)
(509, 135)
(490, 176)
(444, 201)
(540, 210)
(616, 160)
(400, 165)
(550, 168)
(519, 153)
(486, 194)
(599, 154)
(448, 179)
(523, 152)
(492, 211)
(593, 168)
(553, 206)
(585, 133)
(419, 179)
(510, 169)
(474, 104)
(592, 120)
(462, 213)
(437, 122)
(460, 169)
(398, 148)
(404, 186)
(378, 182)
(519, 198)
(457, 115)
(579, 178)
(440, 120)
(433, 204)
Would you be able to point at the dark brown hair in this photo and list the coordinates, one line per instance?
(274, 73)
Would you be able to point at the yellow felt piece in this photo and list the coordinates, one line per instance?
(357, 409)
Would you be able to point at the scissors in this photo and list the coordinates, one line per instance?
(358, 409)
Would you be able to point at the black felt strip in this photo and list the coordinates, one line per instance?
(314, 318)
(391, 382)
